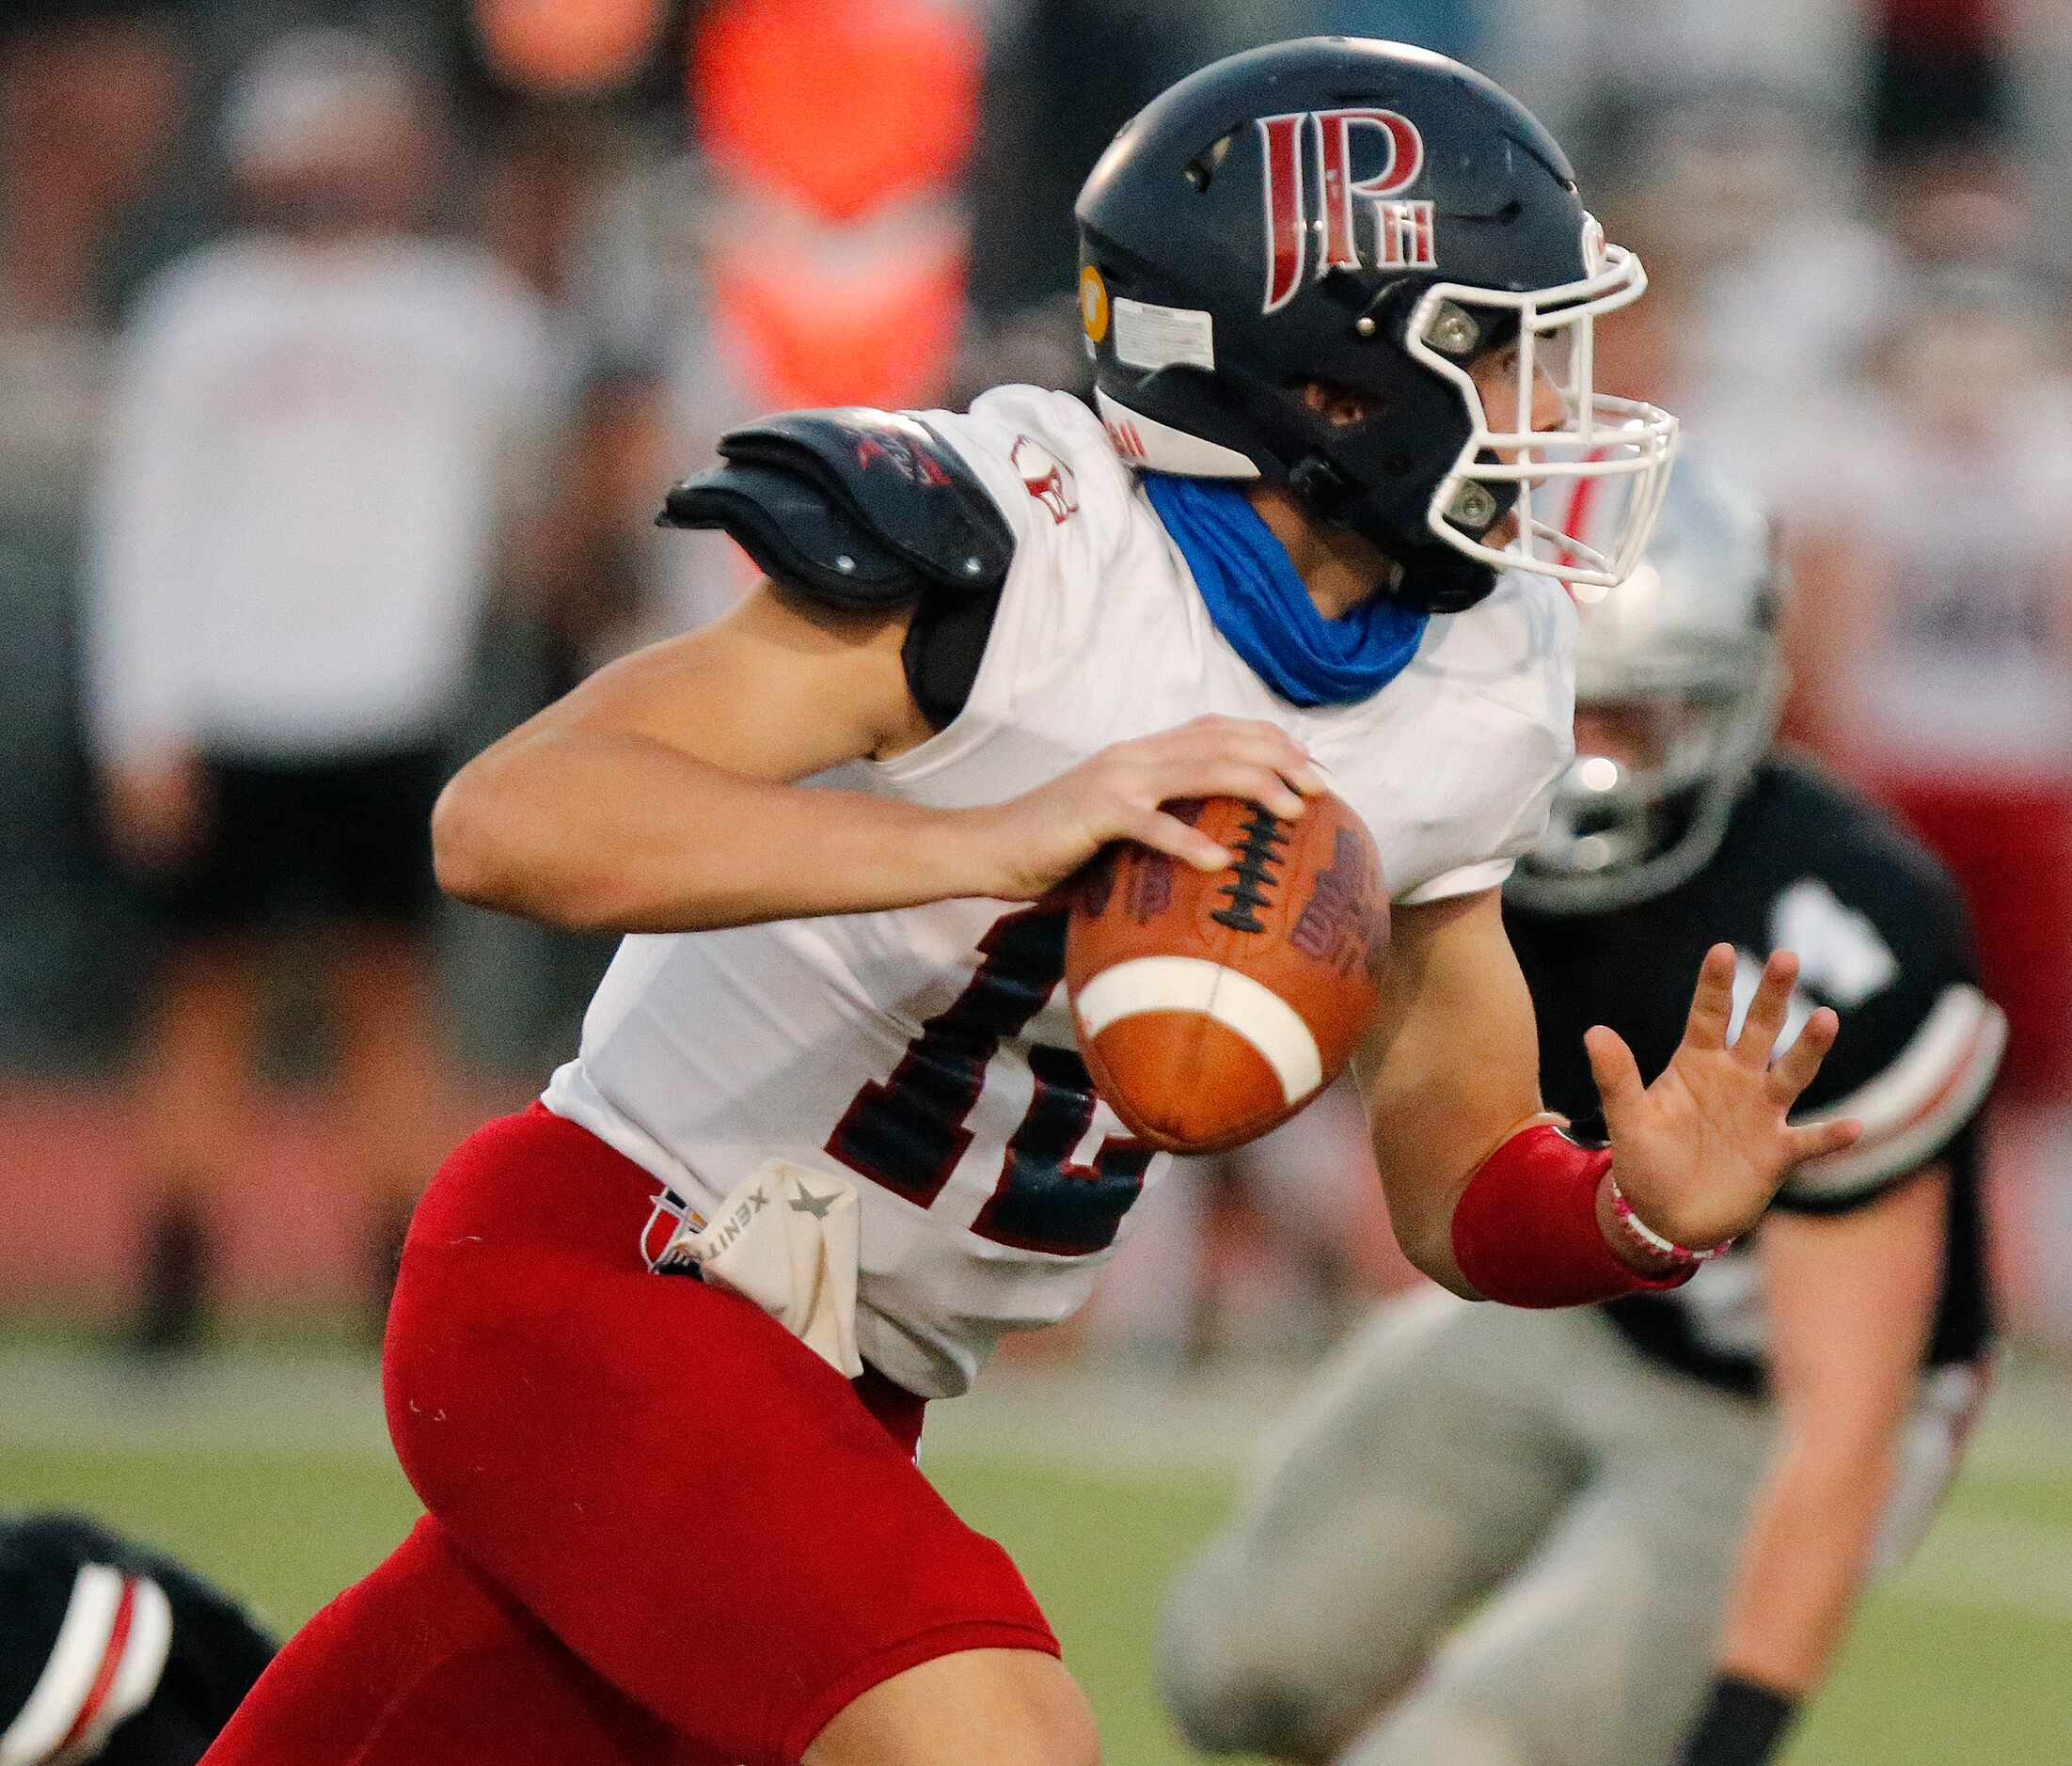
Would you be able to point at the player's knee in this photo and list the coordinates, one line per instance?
(1235, 1682)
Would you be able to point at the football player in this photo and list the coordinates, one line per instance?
(111, 1652)
(1340, 296)
(1634, 1534)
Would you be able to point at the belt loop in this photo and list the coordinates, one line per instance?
(668, 1205)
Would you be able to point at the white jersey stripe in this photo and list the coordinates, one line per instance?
(1233, 998)
(78, 1664)
(54, 1703)
(1917, 1103)
(143, 1666)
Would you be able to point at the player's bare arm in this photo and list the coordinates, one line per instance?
(1449, 1068)
(659, 796)
(1851, 1301)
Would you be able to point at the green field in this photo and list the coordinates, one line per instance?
(1961, 1660)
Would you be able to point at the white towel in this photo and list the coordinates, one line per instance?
(786, 1239)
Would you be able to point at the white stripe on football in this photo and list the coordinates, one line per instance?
(1232, 998)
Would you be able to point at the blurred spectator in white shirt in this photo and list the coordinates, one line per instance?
(1557, 55)
(1951, 483)
(1932, 651)
(318, 426)
(1741, 200)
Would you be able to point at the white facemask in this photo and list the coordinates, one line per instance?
(1613, 450)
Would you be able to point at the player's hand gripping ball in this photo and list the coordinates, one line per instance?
(1214, 1005)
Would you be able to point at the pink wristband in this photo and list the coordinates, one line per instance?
(1646, 1239)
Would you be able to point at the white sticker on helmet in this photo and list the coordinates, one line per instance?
(1148, 335)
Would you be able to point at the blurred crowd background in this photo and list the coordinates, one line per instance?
(346, 347)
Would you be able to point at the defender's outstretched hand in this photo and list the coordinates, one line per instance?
(1701, 1152)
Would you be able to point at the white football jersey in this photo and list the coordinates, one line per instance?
(926, 1054)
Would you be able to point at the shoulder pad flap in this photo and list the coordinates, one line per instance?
(862, 507)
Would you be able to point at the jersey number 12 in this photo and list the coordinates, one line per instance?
(908, 1132)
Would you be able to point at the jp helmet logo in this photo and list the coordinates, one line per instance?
(1403, 226)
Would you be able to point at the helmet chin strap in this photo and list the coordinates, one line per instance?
(1440, 581)
(1429, 576)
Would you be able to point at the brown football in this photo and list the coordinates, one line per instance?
(1212, 1006)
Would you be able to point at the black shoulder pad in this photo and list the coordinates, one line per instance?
(862, 508)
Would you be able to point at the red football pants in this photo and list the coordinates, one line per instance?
(662, 1529)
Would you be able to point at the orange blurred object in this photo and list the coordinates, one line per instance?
(802, 336)
(559, 48)
(842, 105)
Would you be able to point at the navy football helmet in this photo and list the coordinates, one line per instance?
(1376, 219)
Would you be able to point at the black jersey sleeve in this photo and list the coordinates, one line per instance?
(1883, 937)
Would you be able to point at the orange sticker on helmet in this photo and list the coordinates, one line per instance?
(1093, 303)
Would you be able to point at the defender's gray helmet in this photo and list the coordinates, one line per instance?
(1686, 646)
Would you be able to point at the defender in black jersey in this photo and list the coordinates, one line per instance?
(112, 1652)
(1882, 938)
(1633, 1536)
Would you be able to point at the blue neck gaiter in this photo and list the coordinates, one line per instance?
(1261, 607)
